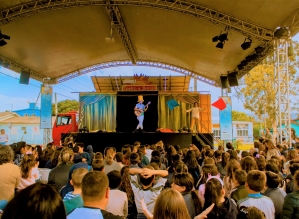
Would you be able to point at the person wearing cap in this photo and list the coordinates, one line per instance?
(3, 137)
(139, 109)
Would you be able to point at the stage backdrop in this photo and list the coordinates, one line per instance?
(98, 111)
(177, 117)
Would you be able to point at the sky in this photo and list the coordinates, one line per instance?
(15, 96)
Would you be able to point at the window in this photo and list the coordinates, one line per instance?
(242, 133)
(33, 114)
(63, 120)
(216, 132)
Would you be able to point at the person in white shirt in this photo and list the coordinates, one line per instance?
(118, 200)
(3, 137)
(195, 115)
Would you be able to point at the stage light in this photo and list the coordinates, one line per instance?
(220, 45)
(246, 44)
(3, 37)
(110, 38)
(223, 37)
(240, 66)
(259, 50)
(215, 39)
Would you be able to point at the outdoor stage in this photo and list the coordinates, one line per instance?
(101, 140)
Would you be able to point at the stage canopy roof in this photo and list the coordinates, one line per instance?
(62, 39)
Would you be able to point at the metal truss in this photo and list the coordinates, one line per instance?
(184, 7)
(96, 67)
(281, 85)
(119, 26)
(14, 66)
(47, 136)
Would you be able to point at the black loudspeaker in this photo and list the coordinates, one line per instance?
(233, 79)
(224, 82)
(24, 77)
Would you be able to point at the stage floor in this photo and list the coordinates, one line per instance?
(100, 141)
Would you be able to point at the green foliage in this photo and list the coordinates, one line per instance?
(241, 116)
(66, 106)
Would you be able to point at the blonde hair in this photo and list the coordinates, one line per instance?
(109, 157)
(170, 204)
(66, 156)
(77, 177)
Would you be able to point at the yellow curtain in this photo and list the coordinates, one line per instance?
(100, 115)
(176, 118)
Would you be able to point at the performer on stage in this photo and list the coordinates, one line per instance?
(195, 115)
(139, 110)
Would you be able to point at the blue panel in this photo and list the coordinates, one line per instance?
(46, 108)
(226, 124)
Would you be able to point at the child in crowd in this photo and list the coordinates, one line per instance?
(142, 153)
(29, 171)
(240, 191)
(229, 180)
(290, 182)
(119, 157)
(208, 171)
(118, 201)
(248, 164)
(274, 193)
(256, 181)
(145, 188)
(74, 199)
(97, 165)
(135, 161)
(251, 213)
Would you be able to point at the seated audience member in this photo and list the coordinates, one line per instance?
(10, 174)
(274, 193)
(95, 194)
(46, 156)
(74, 199)
(35, 201)
(291, 202)
(146, 188)
(290, 182)
(109, 163)
(240, 191)
(248, 164)
(230, 180)
(184, 183)
(98, 165)
(135, 161)
(221, 166)
(215, 193)
(126, 187)
(29, 174)
(142, 153)
(19, 152)
(59, 176)
(118, 201)
(256, 181)
(250, 213)
(52, 163)
(119, 157)
(89, 150)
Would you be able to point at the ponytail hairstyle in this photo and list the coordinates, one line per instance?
(225, 158)
(208, 169)
(213, 194)
(231, 167)
(27, 163)
(66, 156)
(186, 179)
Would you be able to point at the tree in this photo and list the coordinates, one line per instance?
(241, 116)
(66, 106)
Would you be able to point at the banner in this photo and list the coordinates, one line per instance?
(46, 107)
(225, 119)
(139, 87)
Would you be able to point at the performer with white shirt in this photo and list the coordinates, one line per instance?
(3, 137)
(195, 115)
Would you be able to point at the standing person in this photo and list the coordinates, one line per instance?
(139, 109)
(3, 137)
(268, 135)
(271, 149)
(195, 110)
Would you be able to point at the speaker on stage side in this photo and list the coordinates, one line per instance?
(24, 77)
(224, 82)
(233, 79)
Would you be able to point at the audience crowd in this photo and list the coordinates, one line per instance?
(149, 182)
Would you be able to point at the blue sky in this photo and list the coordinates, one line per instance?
(14, 96)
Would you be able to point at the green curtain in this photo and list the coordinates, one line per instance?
(101, 115)
(176, 118)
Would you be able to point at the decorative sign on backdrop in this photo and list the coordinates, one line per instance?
(172, 103)
(141, 83)
(139, 87)
(226, 124)
(46, 107)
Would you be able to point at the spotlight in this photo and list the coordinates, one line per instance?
(215, 38)
(220, 45)
(282, 32)
(3, 37)
(223, 37)
(259, 50)
(246, 44)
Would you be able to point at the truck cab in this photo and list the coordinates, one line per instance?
(65, 123)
